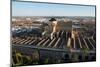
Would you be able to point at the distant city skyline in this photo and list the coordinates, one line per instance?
(45, 9)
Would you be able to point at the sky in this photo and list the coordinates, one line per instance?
(45, 9)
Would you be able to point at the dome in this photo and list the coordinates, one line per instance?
(52, 19)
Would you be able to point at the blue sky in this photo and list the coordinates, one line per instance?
(44, 9)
